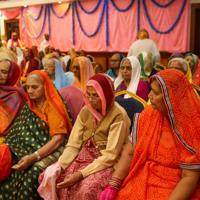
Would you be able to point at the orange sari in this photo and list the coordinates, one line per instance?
(164, 147)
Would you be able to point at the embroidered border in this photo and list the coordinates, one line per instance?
(133, 136)
(171, 112)
(190, 166)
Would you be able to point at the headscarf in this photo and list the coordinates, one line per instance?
(105, 90)
(185, 67)
(176, 55)
(60, 79)
(195, 58)
(19, 44)
(135, 76)
(6, 53)
(86, 71)
(12, 99)
(196, 75)
(143, 34)
(33, 64)
(72, 54)
(20, 56)
(147, 63)
(54, 100)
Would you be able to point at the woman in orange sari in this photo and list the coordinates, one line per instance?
(83, 70)
(163, 155)
(12, 98)
(36, 140)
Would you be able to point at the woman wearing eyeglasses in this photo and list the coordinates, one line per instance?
(93, 149)
(83, 70)
(129, 78)
(12, 98)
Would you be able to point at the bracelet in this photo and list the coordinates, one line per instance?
(37, 155)
(115, 182)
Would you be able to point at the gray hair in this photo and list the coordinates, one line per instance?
(182, 62)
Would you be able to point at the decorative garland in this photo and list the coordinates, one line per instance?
(27, 9)
(162, 6)
(36, 37)
(104, 8)
(51, 6)
(163, 32)
(123, 10)
(102, 13)
(89, 12)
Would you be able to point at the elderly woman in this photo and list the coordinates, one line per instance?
(28, 64)
(182, 65)
(83, 70)
(55, 72)
(163, 154)
(129, 78)
(36, 139)
(94, 146)
(194, 64)
(12, 98)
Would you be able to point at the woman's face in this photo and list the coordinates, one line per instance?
(76, 68)
(93, 98)
(4, 70)
(126, 70)
(35, 88)
(190, 61)
(49, 67)
(156, 97)
(176, 65)
(26, 53)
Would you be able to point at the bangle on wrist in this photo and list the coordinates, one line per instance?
(37, 155)
(115, 182)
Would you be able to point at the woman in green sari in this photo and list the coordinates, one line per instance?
(36, 140)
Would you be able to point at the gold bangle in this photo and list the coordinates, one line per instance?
(37, 155)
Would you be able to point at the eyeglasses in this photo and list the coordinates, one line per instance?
(127, 68)
(114, 60)
(50, 66)
(92, 96)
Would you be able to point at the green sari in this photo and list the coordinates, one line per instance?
(28, 134)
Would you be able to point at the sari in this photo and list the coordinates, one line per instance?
(28, 66)
(32, 130)
(163, 147)
(60, 78)
(94, 146)
(12, 99)
(86, 71)
(136, 86)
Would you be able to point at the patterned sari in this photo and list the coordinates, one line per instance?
(163, 147)
(30, 133)
(12, 99)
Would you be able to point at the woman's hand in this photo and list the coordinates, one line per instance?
(70, 180)
(25, 162)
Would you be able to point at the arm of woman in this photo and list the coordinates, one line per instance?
(186, 186)
(44, 151)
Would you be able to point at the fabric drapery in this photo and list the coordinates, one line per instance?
(86, 71)
(156, 166)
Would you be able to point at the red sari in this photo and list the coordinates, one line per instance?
(163, 148)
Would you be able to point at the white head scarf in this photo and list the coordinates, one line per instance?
(135, 76)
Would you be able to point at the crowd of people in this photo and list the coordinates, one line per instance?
(70, 130)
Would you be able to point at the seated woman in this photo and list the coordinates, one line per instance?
(94, 146)
(98, 69)
(12, 98)
(55, 72)
(182, 65)
(28, 64)
(129, 78)
(36, 139)
(83, 70)
(163, 154)
(194, 64)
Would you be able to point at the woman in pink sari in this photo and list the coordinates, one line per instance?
(93, 149)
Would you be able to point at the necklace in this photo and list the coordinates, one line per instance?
(40, 106)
